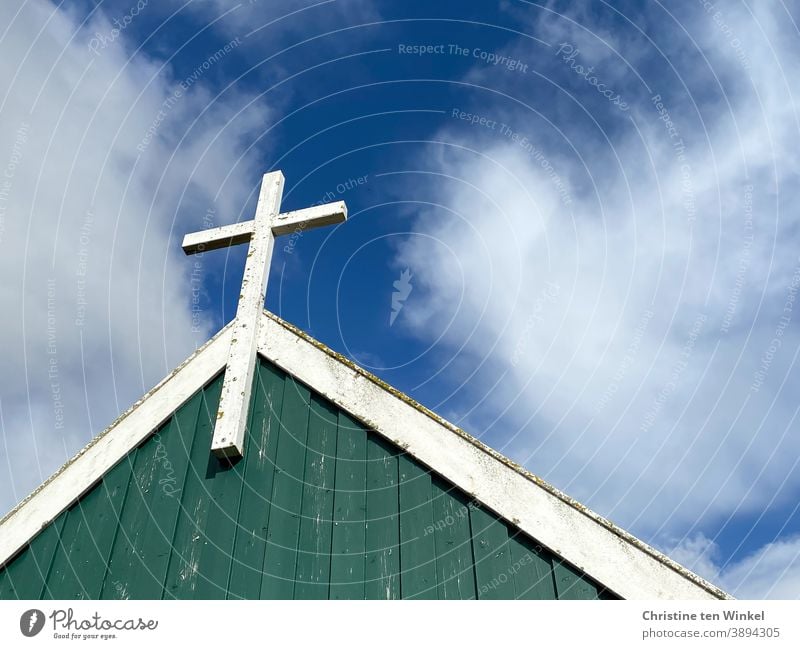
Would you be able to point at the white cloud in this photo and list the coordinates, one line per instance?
(649, 418)
(96, 293)
(772, 572)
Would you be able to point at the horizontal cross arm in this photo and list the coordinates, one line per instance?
(310, 217)
(227, 235)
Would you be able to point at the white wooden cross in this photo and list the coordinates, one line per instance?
(229, 430)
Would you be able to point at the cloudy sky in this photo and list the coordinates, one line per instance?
(586, 213)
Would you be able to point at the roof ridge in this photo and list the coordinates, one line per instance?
(534, 512)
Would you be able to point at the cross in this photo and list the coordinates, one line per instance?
(260, 232)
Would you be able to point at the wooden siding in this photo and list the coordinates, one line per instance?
(318, 508)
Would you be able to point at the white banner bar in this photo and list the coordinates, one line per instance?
(399, 624)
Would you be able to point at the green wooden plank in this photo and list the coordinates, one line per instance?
(171, 455)
(259, 472)
(532, 567)
(62, 569)
(5, 585)
(349, 511)
(45, 552)
(223, 486)
(490, 549)
(417, 550)
(125, 563)
(80, 561)
(455, 572)
(188, 543)
(7, 590)
(312, 579)
(280, 560)
(571, 583)
(28, 573)
(115, 486)
(383, 520)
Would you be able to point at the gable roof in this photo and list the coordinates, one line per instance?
(611, 556)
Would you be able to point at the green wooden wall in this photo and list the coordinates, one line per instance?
(319, 508)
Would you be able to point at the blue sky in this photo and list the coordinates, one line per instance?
(596, 206)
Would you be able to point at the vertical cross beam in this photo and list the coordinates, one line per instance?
(231, 422)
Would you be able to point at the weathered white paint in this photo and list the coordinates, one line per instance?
(310, 217)
(610, 555)
(78, 475)
(231, 423)
(616, 559)
(222, 237)
(286, 223)
(229, 430)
